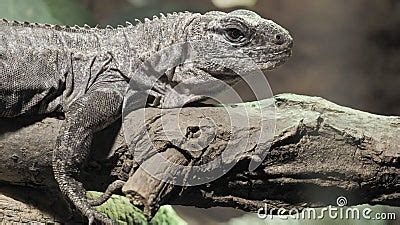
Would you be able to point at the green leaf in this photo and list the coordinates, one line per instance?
(121, 210)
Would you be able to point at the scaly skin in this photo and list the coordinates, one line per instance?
(84, 73)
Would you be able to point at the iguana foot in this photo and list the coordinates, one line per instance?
(112, 188)
(76, 193)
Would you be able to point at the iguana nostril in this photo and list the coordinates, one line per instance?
(279, 39)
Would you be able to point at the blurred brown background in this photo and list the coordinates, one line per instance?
(345, 51)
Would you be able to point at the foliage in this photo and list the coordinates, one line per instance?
(121, 210)
(45, 11)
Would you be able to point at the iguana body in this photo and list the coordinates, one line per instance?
(83, 73)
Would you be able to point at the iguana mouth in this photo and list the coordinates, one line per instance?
(264, 56)
(274, 59)
(276, 55)
(283, 52)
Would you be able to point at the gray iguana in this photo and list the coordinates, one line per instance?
(83, 73)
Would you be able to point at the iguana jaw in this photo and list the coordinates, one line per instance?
(275, 61)
(269, 59)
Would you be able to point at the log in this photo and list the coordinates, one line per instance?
(319, 151)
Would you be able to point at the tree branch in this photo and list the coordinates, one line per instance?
(320, 151)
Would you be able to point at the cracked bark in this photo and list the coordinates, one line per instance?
(320, 151)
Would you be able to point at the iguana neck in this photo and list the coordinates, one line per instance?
(160, 32)
(146, 38)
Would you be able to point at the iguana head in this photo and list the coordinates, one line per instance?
(263, 41)
(215, 44)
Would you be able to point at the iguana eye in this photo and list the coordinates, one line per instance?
(234, 34)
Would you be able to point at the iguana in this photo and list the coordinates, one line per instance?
(83, 73)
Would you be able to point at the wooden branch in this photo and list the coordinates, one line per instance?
(320, 151)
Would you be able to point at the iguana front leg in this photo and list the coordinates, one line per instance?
(87, 115)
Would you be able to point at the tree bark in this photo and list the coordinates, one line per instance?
(320, 151)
